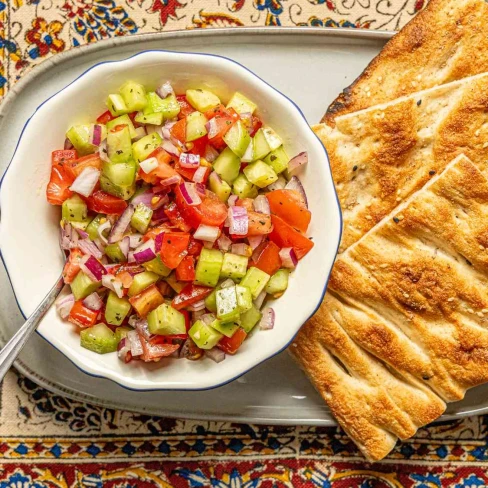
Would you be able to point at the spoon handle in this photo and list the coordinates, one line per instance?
(13, 347)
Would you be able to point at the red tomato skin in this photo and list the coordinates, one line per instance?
(285, 204)
(189, 295)
(57, 190)
(174, 248)
(284, 235)
(230, 345)
(105, 117)
(269, 259)
(82, 316)
(72, 266)
(105, 203)
(78, 165)
(185, 271)
(185, 107)
(178, 131)
(175, 217)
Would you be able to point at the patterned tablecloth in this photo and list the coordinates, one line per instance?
(49, 441)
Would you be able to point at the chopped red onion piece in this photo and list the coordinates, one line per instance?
(135, 240)
(68, 144)
(102, 227)
(142, 327)
(227, 283)
(96, 135)
(140, 133)
(92, 267)
(149, 164)
(261, 205)
(268, 319)
(295, 184)
(135, 343)
(123, 349)
(197, 315)
(103, 152)
(74, 239)
(109, 281)
(212, 128)
(64, 305)
(279, 184)
(145, 252)
(215, 354)
(246, 117)
(190, 195)
(298, 161)
(255, 241)
(191, 161)
(207, 318)
(241, 249)
(258, 302)
(199, 175)
(86, 181)
(124, 245)
(99, 244)
(165, 89)
(211, 154)
(170, 148)
(130, 257)
(239, 221)
(288, 257)
(82, 233)
(144, 198)
(201, 190)
(158, 242)
(121, 225)
(195, 307)
(172, 180)
(224, 242)
(93, 302)
(207, 233)
(232, 200)
(88, 247)
(208, 245)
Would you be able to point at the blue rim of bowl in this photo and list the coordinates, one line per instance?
(333, 187)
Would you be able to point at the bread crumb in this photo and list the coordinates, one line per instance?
(450, 299)
(479, 314)
(470, 310)
(477, 133)
(384, 265)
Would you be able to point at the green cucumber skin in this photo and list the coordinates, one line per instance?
(255, 280)
(99, 339)
(208, 268)
(141, 281)
(82, 286)
(250, 318)
(204, 336)
(116, 309)
(234, 266)
(278, 283)
(74, 209)
(165, 320)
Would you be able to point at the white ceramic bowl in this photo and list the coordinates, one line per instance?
(29, 226)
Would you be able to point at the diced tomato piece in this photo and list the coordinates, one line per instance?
(164, 288)
(220, 110)
(113, 270)
(284, 204)
(174, 248)
(153, 351)
(131, 268)
(149, 299)
(259, 224)
(256, 124)
(105, 117)
(223, 124)
(210, 212)
(57, 190)
(189, 295)
(195, 247)
(178, 131)
(72, 265)
(175, 217)
(82, 316)
(230, 345)
(154, 231)
(186, 269)
(78, 165)
(199, 146)
(62, 156)
(185, 107)
(269, 259)
(188, 173)
(163, 171)
(125, 278)
(247, 203)
(105, 203)
(284, 235)
(186, 314)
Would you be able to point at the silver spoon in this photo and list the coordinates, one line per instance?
(13, 347)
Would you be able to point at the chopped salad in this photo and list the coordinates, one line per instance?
(181, 216)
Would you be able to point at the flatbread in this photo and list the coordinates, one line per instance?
(381, 155)
(447, 41)
(413, 294)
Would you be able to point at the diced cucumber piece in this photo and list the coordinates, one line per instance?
(141, 218)
(243, 188)
(92, 227)
(211, 301)
(121, 333)
(99, 339)
(74, 209)
(122, 120)
(168, 107)
(134, 96)
(208, 267)
(238, 138)
(219, 186)
(152, 119)
(120, 174)
(234, 266)
(82, 225)
(124, 192)
(82, 286)
(116, 309)
(202, 100)
(261, 146)
(244, 298)
(142, 148)
(278, 160)
(116, 105)
(114, 253)
(227, 307)
(260, 174)
(250, 318)
(248, 156)
(142, 281)
(226, 328)
(278, 283)
(119, 145)
(79, 136)
(195, 126)
(165, 320)
(272, 138)
(157, 266)
(255, 280)
(174, 283)
(204, 336)
(227, 165)
(241, 104)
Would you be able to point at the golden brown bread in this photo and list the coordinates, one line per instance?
(413, 293)
(447, 41)
(381, 155)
